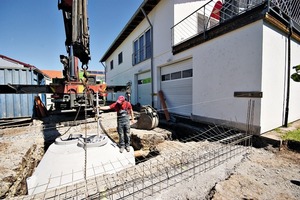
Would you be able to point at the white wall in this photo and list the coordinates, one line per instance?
(252, 58)
(224, 65)
(294, 113)
(125, 72)
(273, 77)
(161, 18)
(10, 64)
(275, 63)
(183, 9)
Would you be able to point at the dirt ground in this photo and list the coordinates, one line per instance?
(263, 173)
(260, 175)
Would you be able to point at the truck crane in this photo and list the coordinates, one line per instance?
(69, 92)
(77, 35)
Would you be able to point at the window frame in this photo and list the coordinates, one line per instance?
(142, 47)
(188, 73)
(120, 58)
(111, 64)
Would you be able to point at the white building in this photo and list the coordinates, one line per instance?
(201, 53)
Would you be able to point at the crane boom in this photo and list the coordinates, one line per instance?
(77, 35)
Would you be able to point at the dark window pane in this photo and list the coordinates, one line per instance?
(120, 57)
(176, 75)
(135, 52)
(187, 73)
(165, 77)
(148, 44)
(111, 64)
(141, 48)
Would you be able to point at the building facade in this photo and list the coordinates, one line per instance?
(202, 53)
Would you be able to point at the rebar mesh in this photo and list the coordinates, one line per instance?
(179, 161)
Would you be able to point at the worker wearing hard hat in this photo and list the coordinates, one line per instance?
(123, 109)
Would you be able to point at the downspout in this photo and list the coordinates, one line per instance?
(288, 77)
(104, 71)
(151, 69)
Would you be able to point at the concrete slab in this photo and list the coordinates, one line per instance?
(64, 164)
(274, 137)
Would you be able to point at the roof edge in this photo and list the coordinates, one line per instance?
(123, 33)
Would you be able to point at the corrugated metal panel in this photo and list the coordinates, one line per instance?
(17, 105)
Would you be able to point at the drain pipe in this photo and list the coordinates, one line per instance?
(288, 77)
(104, 72)
(151, 70)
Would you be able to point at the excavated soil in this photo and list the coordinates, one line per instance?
(263, 173)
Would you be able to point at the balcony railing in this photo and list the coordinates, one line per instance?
(216, 12)
(288, 10)
(142, 54)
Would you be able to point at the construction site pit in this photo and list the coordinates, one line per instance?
(174, 152)
(24, 146)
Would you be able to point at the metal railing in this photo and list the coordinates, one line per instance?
(287, 8)
(215, 12)
(141, 54)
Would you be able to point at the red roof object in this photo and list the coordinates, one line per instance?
(53, 73)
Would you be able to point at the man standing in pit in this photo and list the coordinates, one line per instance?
(123, 109)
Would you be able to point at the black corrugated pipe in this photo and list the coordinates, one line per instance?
(288, 78)
(152, 84)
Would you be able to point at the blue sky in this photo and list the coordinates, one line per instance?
(32, 31)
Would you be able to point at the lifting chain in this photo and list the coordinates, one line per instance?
(86, 93)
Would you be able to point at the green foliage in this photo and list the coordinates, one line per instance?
(277, 130)
(292, 135)
(295, 77)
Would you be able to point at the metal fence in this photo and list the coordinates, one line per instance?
(216, 12)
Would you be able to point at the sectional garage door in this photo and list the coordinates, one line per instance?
(177, 86)
(144, 88)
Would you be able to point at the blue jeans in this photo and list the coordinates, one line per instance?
(124, 131)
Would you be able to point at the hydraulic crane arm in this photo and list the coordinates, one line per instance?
(77, 32)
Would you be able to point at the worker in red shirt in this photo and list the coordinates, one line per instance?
(123, 109)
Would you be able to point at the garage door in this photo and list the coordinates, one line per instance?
(144, 88)
(176, 84)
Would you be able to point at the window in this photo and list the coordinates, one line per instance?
(165, 77)
(120, 58)
(177, 75)
(148, 44)
(112, 65)
(187, 73)
(142, 48)
(135, 54)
